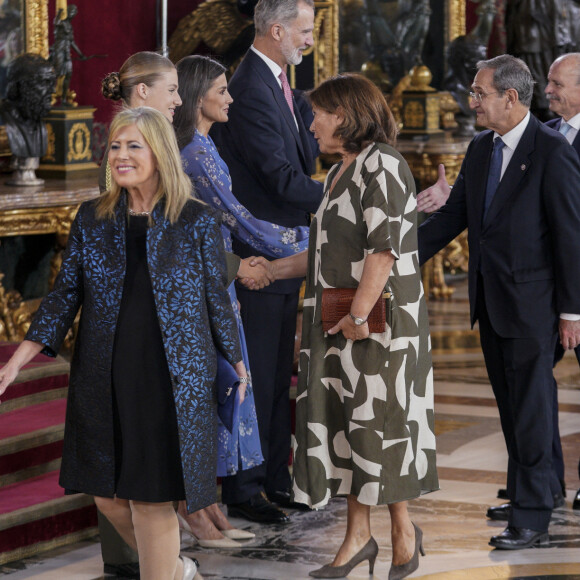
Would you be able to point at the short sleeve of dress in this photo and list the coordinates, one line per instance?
(383, 199)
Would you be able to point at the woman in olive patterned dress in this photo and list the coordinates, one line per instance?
(364, 407)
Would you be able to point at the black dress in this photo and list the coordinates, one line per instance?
(147, 459)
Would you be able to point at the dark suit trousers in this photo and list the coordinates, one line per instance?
(270, 327)
(520, 372)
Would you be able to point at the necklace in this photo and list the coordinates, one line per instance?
(139, 213)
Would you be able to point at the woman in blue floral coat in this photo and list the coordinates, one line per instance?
(146, 263)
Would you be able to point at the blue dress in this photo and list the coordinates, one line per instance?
(212, 181)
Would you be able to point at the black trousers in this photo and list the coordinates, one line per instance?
(270, 327)
(520, 372)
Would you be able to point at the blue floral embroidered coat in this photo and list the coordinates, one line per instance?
(188, 273)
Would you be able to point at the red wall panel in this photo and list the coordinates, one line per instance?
(117, 30)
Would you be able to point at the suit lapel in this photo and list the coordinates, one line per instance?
(272, 83)
(517, 168)
(576, 143)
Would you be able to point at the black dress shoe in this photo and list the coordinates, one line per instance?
(129, 570)
(284, 499)
(258, 509)
(519, 539)
(576, 502)
(500, 513)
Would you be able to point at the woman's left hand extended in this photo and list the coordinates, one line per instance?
(350, 330)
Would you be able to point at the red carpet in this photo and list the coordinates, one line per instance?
(32, 418)
(35, 515)
(31, 492)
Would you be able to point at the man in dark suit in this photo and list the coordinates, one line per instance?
(269, 152)
(517, 195)
(563, 93)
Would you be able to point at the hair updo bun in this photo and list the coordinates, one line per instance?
(141, 67)
(111, 87)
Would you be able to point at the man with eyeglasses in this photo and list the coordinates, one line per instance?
(563, 94)
(517, 194)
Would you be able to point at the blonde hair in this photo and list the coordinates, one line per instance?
(141, 67)
(174, 187)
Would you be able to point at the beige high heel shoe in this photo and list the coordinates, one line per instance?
(190, 569)
(186, 531)
(237, 534)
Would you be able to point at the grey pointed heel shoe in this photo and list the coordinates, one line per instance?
(403, 570)
(368, 552)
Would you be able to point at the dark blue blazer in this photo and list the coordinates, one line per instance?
(269, 158)
(555, 124)
(528, 248)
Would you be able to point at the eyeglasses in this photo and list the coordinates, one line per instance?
(480, 96)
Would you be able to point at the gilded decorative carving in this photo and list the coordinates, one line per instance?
(51, 143)
(456, 19)
(16, 314)
(325, 40)
(216, 23)
(424, 159)
(36, 221)
(79, 143)
(36, 26)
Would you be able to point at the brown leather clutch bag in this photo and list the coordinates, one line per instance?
(336, 304)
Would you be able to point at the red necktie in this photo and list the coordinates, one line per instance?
(287, 90)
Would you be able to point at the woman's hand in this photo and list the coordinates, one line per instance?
(350, 330)
(241, 371)
(7, 376)
(23, 355)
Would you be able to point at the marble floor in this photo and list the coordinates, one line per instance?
(472, 464)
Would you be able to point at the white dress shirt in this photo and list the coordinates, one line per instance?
(511, 140)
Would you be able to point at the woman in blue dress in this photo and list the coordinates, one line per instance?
(203, 88)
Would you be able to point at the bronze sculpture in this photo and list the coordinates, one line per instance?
(60, 55)
(29, 88)
(463, 54)
(538, 31)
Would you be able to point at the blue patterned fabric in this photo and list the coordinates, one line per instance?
(188, 272)
(213, 185)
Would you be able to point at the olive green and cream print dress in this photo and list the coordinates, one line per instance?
(364, 409)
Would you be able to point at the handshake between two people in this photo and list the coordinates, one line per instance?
(256, 272)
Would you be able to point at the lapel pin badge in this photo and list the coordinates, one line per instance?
(523, 167)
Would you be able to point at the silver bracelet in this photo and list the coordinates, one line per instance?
(244, 380)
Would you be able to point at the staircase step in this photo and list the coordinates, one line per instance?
(31, 441)
(43, 379)
(36, 516)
